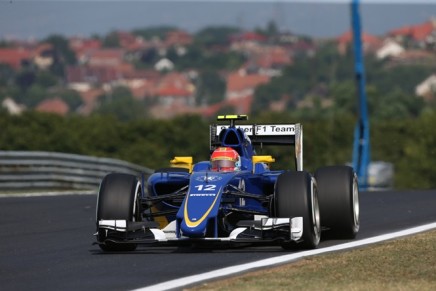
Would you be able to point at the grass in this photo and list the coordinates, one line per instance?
(402, 264)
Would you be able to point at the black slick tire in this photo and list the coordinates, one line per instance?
(295, 195)
(117, 200)
(339, 200)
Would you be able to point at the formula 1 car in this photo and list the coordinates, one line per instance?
(205, 203)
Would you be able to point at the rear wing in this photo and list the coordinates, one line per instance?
(267, 134)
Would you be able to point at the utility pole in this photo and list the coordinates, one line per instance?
(361, 147)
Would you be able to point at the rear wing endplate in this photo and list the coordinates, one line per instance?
(267, 134)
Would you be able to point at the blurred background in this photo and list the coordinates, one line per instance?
(141, 81)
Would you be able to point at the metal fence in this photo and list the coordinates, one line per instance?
(49, 170)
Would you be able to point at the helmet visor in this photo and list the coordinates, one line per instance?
(218, 165)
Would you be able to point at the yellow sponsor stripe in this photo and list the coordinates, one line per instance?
(190, 223)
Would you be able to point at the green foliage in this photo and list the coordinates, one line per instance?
(330, 77)
(148, 58)
(197, 58)
(24, 79)
(210, 88)
(6, 75)
(270, 29)
(121, 104)
(267, 93)
(62, 51)
(62, 55)
(215, 36)
(154, 31)
(402, 126)
(46, 79)
(5, 44)
(397, 78)
(34, 131)
(72, 98)
(111, 40)
(34, 95)
(11, 91)
(408, 144)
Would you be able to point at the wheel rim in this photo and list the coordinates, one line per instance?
(356, 207)
(135, 201)
(315, 213)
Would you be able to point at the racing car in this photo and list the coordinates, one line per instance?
(234, 197)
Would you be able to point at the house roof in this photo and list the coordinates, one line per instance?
(142, 89)
(272, 57)
(82, 45)
(105, 57)
(76, 74)
(347, 37)
(55, 105)
(43, 47)
(417, 32)
(129, 41)
(14, 57)
(248, 36)
(142, 74)
(173, 91)
(178, 37)
(239, 82)
(174, 84)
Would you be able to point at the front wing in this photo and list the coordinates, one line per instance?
(263, 230)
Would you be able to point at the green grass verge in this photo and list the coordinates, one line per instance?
(403, 264)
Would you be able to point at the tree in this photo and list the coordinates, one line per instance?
(395, 105)
(149, 57)
(25, 79)
(6, 74)
(121, 104)
(265, 94)
(111, 40)
(46, 79)
(215, 36)
(211, 88)
(344, 96)
(403, 78)
(62, 54)
(154, 31)
(270, 30)
(72, 98)
(61, 46)
(35, 95)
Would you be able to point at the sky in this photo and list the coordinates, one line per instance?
(316, 18)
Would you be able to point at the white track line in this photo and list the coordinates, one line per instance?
(177, 283)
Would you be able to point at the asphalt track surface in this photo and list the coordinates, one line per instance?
(46, 243)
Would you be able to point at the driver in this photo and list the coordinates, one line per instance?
(225, 159)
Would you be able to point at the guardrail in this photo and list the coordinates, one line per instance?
(50, 170)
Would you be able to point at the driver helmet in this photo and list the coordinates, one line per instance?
(225, 159)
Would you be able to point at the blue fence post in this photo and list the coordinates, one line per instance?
(361, 146)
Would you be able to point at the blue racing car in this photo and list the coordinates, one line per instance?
(234, 197)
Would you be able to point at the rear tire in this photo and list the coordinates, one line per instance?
(296, 195)
(339, 200)
(118, 199)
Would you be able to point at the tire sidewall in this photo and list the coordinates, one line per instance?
(339, 200)
(296, 196)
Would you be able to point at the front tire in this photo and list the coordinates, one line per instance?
(118, 200)
(296, 196)
(339, 200)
